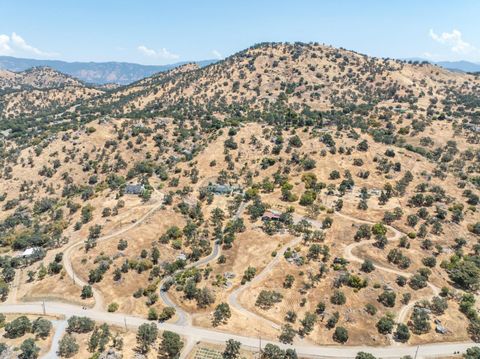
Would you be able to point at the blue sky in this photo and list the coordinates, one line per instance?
(160, 32)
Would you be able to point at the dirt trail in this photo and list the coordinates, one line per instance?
(99, 303)
(348, 254)
(233, 297)
(184, 318)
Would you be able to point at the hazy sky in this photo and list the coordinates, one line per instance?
(159, 32)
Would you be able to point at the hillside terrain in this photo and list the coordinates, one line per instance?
(305, 194)
(273, 76)
(35, 78)
(40, 90)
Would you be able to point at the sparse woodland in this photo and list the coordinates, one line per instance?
(342, 192)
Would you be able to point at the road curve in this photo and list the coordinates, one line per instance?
(193, 333)
(233, 297)
(250, 343)
(67, 263)
(348, 254)
(183, 317)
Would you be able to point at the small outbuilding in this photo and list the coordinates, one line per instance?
(271, 215)
(134, 189)
(27, 252)
(223, 189)
(441, 329)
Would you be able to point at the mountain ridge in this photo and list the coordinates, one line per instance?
(271, 81)
(36, 78)
(460, 65)
(99, 73)
(293, 75)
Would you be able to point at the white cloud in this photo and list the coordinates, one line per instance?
(163, 53)
(217, 54)
(455, 41)
(15, 45)
(5, 48)
(20, 43)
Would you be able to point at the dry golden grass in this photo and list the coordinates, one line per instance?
(141, 237)
(253, 247)
(43, 344)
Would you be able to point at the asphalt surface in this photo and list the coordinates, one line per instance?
(59, 326)
(184, 327)
(218, 337)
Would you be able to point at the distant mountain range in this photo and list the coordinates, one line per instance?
(462, 66)
(121, 73)
(124, 73)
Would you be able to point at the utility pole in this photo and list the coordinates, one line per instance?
(43, 305)
(125, 321)
(416, 351)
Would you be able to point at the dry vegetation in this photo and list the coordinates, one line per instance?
(372, 163)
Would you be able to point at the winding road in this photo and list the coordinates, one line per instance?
(67, 263)
(348, 254)
(184, 327)
(183, 317)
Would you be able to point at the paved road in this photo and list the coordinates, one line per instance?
(217, 337)
(192, 333)
(59, 326)
(183, 317)
(188, 347)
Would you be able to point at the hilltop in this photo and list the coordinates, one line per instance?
(270, 80)
(40, 90)
(35, 78)
(298, 76)
(286, 82)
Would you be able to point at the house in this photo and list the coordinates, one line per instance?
(134, 189)
(271, 215)
(375, 192)
(5, 133)
(223, 189)
(295, 258)
(473, 127)
(28, 252)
